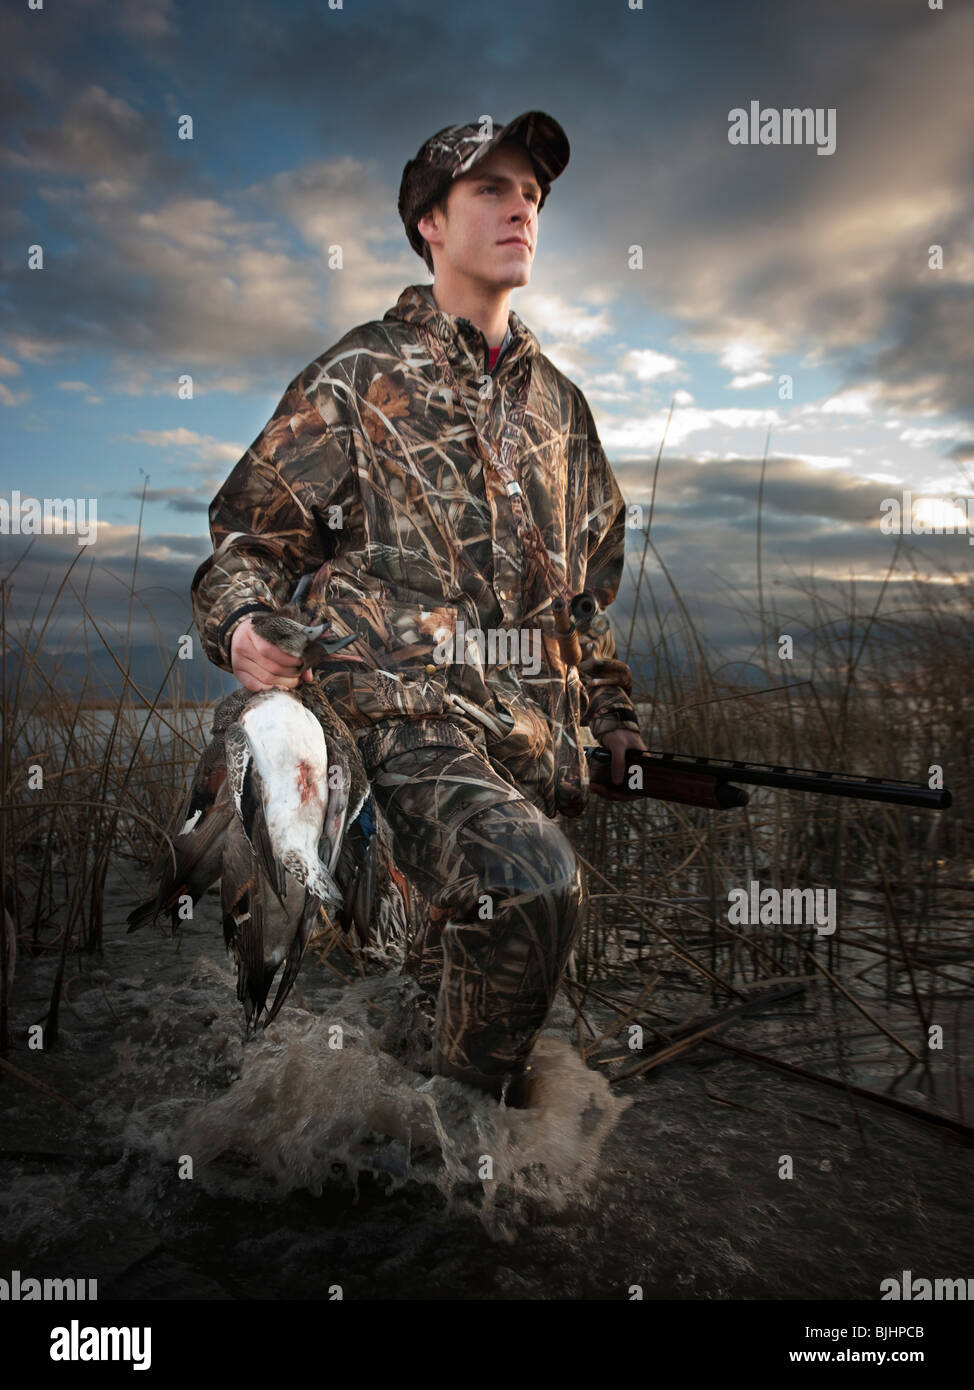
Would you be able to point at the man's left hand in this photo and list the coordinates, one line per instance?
(617, 741)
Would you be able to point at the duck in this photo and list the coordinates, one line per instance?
(276, 790)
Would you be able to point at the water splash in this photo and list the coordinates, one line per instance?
(323, 1098)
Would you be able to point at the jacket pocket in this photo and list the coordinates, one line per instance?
(381, 695)
(393, 631)
(407, 648)
(530, 735)
(415, 635)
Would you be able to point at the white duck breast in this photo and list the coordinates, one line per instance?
(286, 745)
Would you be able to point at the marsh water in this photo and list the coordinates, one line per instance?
(172, 1157)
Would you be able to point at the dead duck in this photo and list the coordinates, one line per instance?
(276, 788)
(199, 843)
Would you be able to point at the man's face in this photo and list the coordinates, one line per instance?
(491, 212)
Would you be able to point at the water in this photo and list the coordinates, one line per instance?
(315, 1166)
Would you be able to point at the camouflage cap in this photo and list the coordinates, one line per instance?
(455, 149)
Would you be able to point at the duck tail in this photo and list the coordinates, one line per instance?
(295, 955)
(254, 975)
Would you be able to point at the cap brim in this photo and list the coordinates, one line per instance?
(542, 137)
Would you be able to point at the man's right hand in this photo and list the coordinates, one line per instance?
(259, 665)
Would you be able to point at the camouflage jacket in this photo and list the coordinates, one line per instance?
(387, 469)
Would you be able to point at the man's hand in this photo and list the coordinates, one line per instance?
(617, 741)
(259, 665)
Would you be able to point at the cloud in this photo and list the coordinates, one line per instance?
(918, 436)
(822, 460)
(33, 349)
(206, 449)
(647, 365)
(741, 356)
(179, 282)
(851, 402)
(553, 318)
(100, 136)
(190, 505)
(149, 19)
(605, 388)
(101, 578)
(748, 381)
(177, 499)
(645, 432)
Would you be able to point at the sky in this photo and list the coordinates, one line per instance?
(759, 262)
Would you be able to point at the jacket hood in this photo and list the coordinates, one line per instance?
(417, 306)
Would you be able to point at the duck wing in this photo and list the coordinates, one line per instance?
(336, 814)
(243, 897)
(348, 784)
(362, 903)
(198, 844)
(260, 930)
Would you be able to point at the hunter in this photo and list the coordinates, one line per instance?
(434, 468)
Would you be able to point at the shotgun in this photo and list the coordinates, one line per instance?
(709, 782)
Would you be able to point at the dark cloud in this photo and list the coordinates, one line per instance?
(791, 487)
(929, 363)
(100, 581)
(189, 505)
(176, 498)
(963, 453)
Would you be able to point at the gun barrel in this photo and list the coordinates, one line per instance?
(661, 769)
(805, 779)
(584, 607)
(569, 645)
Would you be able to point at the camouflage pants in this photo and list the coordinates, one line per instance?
(505, 895)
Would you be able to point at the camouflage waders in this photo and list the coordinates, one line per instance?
(505, 894)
